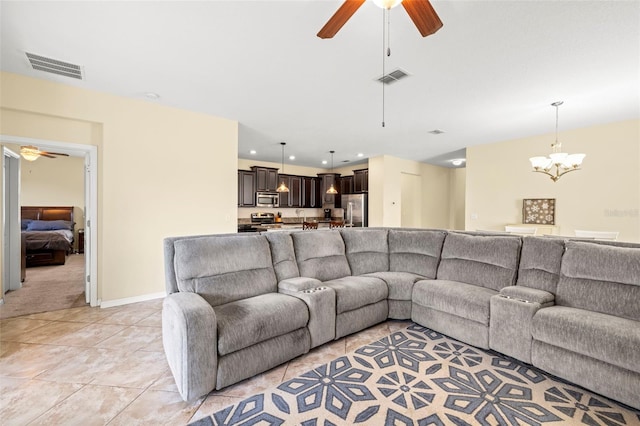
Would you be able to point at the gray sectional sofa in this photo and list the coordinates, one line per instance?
(240, 304)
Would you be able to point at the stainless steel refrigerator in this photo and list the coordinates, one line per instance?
(355, 209)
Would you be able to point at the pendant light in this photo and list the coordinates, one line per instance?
(282, 187)
(332, 189)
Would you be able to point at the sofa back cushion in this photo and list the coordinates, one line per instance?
(415, 251)
(367, 250)
(487, 261)
(283, 255)
(600, 278)
(540, 261)
(320, 255)
(224, 269)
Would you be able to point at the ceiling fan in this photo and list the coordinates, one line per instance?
(421, 13)
(32, 153)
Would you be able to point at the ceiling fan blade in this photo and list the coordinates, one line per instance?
(423, 16)
(44, 154)
(54, 153)
(340, 18)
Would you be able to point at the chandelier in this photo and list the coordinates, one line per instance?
(557, 163)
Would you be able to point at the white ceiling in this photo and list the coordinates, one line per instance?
(490, 74)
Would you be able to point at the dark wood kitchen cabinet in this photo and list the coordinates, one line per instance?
(326, 180)
(246, 188)
(311, 196)
(361, 181)
(293, 198)
(284, 196)
(266, 178)
(346, 185)
(295, 191)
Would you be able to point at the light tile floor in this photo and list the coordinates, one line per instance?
(93, 366)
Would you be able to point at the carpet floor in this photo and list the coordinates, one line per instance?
(47, 288)
(419, 377)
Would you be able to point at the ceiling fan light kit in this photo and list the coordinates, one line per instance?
(29, 153)
(421, 13)
(557, 163)
(387, 4)
(32, 153)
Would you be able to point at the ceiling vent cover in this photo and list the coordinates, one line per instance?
(54, 66)
(393, 76)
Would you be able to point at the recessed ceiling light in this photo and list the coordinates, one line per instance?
(436, 132)
(458, 161)
(324, 161)
(292, 157)
(151, 95)
(252, 152)
(360, 154)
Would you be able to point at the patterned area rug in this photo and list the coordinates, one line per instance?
(419, 377)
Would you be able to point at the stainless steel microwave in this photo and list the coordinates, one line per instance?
(267, 199)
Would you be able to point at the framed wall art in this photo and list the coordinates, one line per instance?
(541, 211)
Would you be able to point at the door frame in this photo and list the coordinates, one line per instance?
(11, 269)
(90, 154)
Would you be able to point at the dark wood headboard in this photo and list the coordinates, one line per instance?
(47, 213)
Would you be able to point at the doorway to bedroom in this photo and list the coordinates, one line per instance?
(54, 189)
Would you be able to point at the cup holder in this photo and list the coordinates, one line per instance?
(313, 290)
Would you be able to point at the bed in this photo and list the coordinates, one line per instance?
(48, 233)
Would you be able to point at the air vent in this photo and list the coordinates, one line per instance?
(54, 66)
(436, 132)
(393, 76)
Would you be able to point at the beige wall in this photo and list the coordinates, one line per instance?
(385, 198)
(603, 196)
(149, 184)
(54, 182)
(457, 196)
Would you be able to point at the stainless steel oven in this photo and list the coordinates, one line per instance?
(267, 199)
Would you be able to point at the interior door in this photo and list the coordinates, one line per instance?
(411, 201)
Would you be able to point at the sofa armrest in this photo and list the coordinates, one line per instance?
(294, 285)
(528, 295)
(189, 337)
(512, 311)
(321, 302)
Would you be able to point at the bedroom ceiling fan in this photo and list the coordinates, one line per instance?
(32, 153)
(421, 13)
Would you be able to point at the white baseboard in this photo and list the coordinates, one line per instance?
(129, 300)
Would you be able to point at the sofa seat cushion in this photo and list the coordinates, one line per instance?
(400, 284)
(604, 337)
(356, 292)
(249, 321)
(464, 300)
